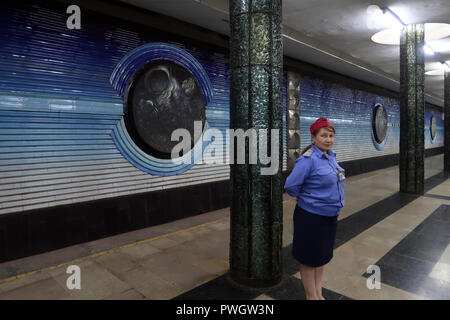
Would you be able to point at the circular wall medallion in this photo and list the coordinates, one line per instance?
(164, 88)
(379, 123)
(163, 97)
(432, 128)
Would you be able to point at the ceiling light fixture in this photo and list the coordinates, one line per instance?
(428, 49)
(446, 66)
(392, 18)
(439, 46)
(437, 72)
(433, 31)
(440, 68)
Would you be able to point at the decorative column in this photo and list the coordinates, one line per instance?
(293, 119)
(412, 105)
(256, 102)
(447, 123)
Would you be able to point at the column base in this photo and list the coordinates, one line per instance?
(253, 283)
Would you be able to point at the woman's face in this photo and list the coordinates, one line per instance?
(324, 139)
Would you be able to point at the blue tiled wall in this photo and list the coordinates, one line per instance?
(350, 111)
(58, 109)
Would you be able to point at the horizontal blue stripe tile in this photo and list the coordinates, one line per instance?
(55, 143)
(53, 137)
(61, 159)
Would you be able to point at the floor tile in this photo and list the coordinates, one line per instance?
(421, 246)
(22, 282)
(163, 243)
(129, 294)
(408, 264)
(116, 262)
(150, 285)
(140, 251)
(441, 271)
(96, 282)
(221, 288)
(292, 289)
(361, 291)
(176, 270)
(46, 289)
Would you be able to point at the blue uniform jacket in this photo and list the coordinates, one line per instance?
(314, 180)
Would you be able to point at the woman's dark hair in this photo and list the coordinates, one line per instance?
(314, 134)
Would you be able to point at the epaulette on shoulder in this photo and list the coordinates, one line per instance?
(308, 153)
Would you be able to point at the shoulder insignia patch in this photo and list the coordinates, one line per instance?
(308, 153)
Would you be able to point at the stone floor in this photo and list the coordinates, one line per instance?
(407, 237)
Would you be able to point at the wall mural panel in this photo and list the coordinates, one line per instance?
(351, 111)
(61, 119)
(63, 136)
(164, 89)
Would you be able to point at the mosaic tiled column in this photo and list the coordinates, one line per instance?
(447, 123)
(412, 105)
(293, 119)
(256, 102)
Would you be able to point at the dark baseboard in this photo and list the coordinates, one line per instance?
(31, 232)
(356, 167)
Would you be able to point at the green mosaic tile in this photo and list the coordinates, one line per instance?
(256, 254)
(260, 39)
(239, 45)
(277, 7)
(277, 97)
(239, 262)
(261, 5)
(277, 41)
(277, 227)
(261, 252)
(259, 93)
(420, 74)
(412, 101)
(239, 98)
(411, 77)
(238, 7)
(419, 33)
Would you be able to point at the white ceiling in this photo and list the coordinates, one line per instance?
(333, 34)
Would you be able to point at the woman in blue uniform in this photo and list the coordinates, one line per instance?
(317, 181)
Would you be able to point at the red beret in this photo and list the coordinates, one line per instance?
(321, 122)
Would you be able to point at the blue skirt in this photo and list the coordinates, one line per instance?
(314, 237)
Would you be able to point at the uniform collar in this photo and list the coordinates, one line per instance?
(320, 153)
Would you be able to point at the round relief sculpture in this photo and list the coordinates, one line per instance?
(379, 123)
(164, 88)
(432, 128)
(163, 97)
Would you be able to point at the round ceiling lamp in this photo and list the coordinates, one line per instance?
(437, 72)
(433, 31)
